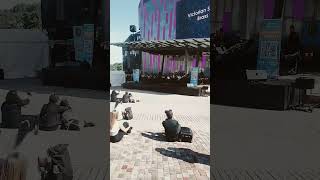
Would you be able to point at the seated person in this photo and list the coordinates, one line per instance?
(69, 121)
(114, 95)
(171, 126)
(126, 98)
(50, 115)
(118, 130)
(11, 112)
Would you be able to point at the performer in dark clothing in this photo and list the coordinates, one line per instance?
(172, 127)
(50, 115)
(294, 43)
(11, 110)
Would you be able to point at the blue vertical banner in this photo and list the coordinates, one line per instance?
(136, 75)
(270, 47)
(78, 42)
(194, 76)
(88, 42)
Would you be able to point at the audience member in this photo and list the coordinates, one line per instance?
(50, 115)
(118, 130)
(171, 126)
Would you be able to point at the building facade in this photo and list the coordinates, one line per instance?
(170, 20)
(245, 17)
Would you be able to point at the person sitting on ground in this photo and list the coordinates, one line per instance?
(171, 126)
(114, 95)
(118, 130)
(50, 115)
(69, 121)
(127, 98)
(11, 111)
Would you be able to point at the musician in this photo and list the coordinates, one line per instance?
(294, 43)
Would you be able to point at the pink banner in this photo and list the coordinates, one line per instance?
(268, 8)
(298, 9)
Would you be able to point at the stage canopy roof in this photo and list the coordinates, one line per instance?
(169, 47)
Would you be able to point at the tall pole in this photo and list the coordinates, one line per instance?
(162, 64)
(186, 61)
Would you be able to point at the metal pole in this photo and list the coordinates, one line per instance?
(186, 61)
(162, 64)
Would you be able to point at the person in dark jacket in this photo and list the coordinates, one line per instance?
(114, 95)
(11, 110)
(294, 43)
(171, 126)
(50, 115)
(126, 98)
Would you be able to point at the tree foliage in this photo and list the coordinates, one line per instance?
(22, 16)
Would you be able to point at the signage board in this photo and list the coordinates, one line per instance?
(194, 76)
(78, 42)
(270, 47)
(136, 75)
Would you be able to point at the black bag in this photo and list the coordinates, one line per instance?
(186, 134)
(1, 74)
(60, 168)
(71, 125)
(128, 115)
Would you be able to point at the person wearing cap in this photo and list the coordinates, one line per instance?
(11, 110)
(50, 115)
(171, 126)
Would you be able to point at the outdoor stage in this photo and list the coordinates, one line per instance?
(281, 94)
(165, 88)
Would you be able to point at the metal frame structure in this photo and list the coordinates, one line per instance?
(182, 47)
(169, 47)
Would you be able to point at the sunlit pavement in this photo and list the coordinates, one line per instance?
(144, 154)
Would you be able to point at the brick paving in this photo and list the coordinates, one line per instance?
(144, 154)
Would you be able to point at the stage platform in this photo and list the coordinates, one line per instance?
(74, 77)
(164, 88)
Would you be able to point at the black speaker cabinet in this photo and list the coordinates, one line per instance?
(304, 83)
(1, 74)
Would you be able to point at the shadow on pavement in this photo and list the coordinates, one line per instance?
(186, 155)
(154, 136)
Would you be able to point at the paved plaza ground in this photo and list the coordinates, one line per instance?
(88, 148)
(144, 154)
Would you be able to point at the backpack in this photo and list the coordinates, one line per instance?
(60, 167)
(128, 115)
(186, 134)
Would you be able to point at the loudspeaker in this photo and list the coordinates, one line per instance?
(304, 83)
(1, 74)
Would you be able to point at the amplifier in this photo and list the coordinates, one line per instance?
(304, 83)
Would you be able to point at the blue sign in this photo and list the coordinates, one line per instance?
(78, 42)
(270, 47)
(194, 76)
(194, 14)
(136, 75)
(88, 42)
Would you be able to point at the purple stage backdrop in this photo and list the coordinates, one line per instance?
(158, 21)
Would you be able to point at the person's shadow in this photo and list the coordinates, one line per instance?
(154, 136)
(186, 155)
